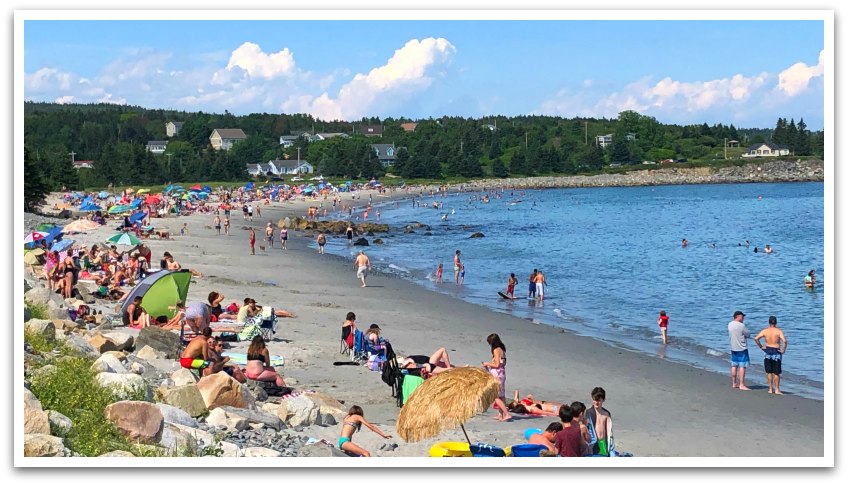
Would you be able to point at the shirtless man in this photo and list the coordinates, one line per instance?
(269, 234)
(322, 240)
(546, 437)
(363, 266)
(540, 285)
(774, 352)
(252, 240)
(196, 353)
(218, 223)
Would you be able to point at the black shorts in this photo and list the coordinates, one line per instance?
(772, 366)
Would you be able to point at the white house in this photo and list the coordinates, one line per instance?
(603, 140)
(78, 164)
(260, 169)
(172, 128)
(292, 167)
(157, 147)
(288, 140)
(765, 150)
(224, 138)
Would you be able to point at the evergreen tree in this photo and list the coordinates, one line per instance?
(499, 169)
(802, 139)
(401, 160)
(780, 135)
(35, 187)
(495, 148)
(471, 166)
(791, 136)
(595, 158)
(620, 152)
(518, 164)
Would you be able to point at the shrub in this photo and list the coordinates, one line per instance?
(37, 310)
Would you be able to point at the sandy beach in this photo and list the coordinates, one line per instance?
(659, 408)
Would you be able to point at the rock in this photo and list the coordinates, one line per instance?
(161, 340)
(328, 404)
(85, 293)
(183, 376)
(60, 425)
(219, 389)
(378, 241)
(257, 388)
(40, 296)
(43, 328)
(82, 346)
(137, 368)
(122, 340)
(108, 363)
(476, 235)
(256, 416)
(43, 372)
(232, 422)
(125, 386)
(175, 438)
(39, 444)
(301, 411)
(206, 442)
(56, 310)
(27, 314)
(122, 358)
(361, 242)
(325, 419)
(149, 353)
(321, 450)
(35, 419)
(117, 454)
(186, 397)
(173, 414)
(102, 344)
(264, 452)
(139, 421)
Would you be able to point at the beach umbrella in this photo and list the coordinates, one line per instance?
(89, 207)
(196, 187)
(446, 401)
(151, 199)
(35, 236)
(80, 225)
(62, 245)
(202, 195)
(207, 189)
(34, 257)
(136, 217)
(117, 209)
(142, 191)
(125, 239)
(103, 194)
(136, 203)
(168, 188)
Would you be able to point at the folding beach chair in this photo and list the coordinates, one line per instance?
(268, 327)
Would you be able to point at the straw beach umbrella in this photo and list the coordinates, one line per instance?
(446, 401)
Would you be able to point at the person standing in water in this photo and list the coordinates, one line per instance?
(540, 285)
(322, 240)
(810, 279)
(531, 290)
(349, 233)
(269, 234)
(662, 321)
(457, 266)
(510, 285)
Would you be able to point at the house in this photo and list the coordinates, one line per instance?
(224, 138)
(291, 167)
(765, 150)
(327, 136)
(408, 127)
(630, 137)
(260, 169)
(386, 153)
(732, 143)
(172, 128)
(157, 147)
(490, 127)
(603, 140)
(288, 140)
(299, 133)
(371, 130)
(78, 164)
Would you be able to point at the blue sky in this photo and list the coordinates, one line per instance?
(744, 72)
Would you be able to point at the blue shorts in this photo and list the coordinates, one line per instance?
(739, 358)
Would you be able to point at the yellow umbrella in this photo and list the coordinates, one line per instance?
(142, 191)
(446, 401)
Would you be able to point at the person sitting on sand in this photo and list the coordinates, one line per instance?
(259, 363)
(172, 265)
(352, 423)
(196, 353)
(135, 316)
(569, 441)
(529, 405)
(546, 437)
(438, 361)
(215, 300)
(250, 310)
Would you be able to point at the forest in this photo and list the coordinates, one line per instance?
(114, 138)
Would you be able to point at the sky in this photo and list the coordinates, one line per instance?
(747, 73)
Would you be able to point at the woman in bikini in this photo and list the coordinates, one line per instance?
(438, 361)
(259, 363)
(227, 224)
(352, 423)
(497, 367)
(529, 405)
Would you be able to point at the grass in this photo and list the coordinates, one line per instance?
(37, 310)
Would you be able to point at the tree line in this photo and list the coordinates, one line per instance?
(115, 137)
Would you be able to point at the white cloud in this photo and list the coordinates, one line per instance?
(256, 63)
(409, 70)
(108, 98)
(47, 79)
(795, 79)
(64, 100)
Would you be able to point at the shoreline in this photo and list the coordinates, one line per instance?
(657, 405)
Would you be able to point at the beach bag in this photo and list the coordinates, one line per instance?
(375, 362)
(249, 332)
(232, 308)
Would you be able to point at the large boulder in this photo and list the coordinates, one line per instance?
(206, 442)
(117, 454)
(122, 340)
(35, 419)
(125, 386)
(176, 437)
(40, 444)
(183, 376)
(232, 422)
(255, 416)
(57, 311)
(149, 353)
(476, 235)
(320, 450)
(43, 328)
(82, 346)
(361, 242)
(108, 363)
(141, 422)
(328, 404)
(162, 340)
(60, 425)
(173, 414)
(254, 451)
(85, 293)
(40, 296)
(300, 411)
(219, 389)
(187, 397)
(258, 389)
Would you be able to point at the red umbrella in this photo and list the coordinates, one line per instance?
(34, 236)
(195, 187)
(151, 199)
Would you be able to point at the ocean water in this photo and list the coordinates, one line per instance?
(613, 259)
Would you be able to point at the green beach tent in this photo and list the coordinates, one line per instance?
(159, 291)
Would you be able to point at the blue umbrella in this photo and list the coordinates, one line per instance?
(207, 188)
(136, 203)
(103, 194)
(137, 217)
(249, 185)
(89, 207)
(62, 245)
(202, 195)
(168, 188)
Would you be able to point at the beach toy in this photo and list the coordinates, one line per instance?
(526, 450)
(530, 432)
(450, 449)
(484, 450)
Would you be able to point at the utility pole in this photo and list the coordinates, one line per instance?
(525, 141)
(169, 155)
(586, 124)
(72, 157)
(725, 148)
(298, 154)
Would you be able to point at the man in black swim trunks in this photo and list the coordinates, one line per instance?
(774, 350)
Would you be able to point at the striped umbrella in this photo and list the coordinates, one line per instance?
(124, 238)
(34, 236)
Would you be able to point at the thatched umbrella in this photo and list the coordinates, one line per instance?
(446, 401)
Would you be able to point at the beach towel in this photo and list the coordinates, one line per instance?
(241, 359)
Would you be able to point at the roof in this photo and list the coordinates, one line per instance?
(82, 163)
(327, 136)
(371, 129)
(289, 137)
(230, 133)
(409, 126)
(289, 164)
(770, 146)
(382, 150)
(157, 142)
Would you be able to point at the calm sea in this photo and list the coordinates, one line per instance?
(613, 259)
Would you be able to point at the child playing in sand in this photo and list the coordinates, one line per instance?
(662, 321)
(439, 271)
(352, 423)
(184, 229)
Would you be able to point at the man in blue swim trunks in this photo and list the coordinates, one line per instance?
(738, 350)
